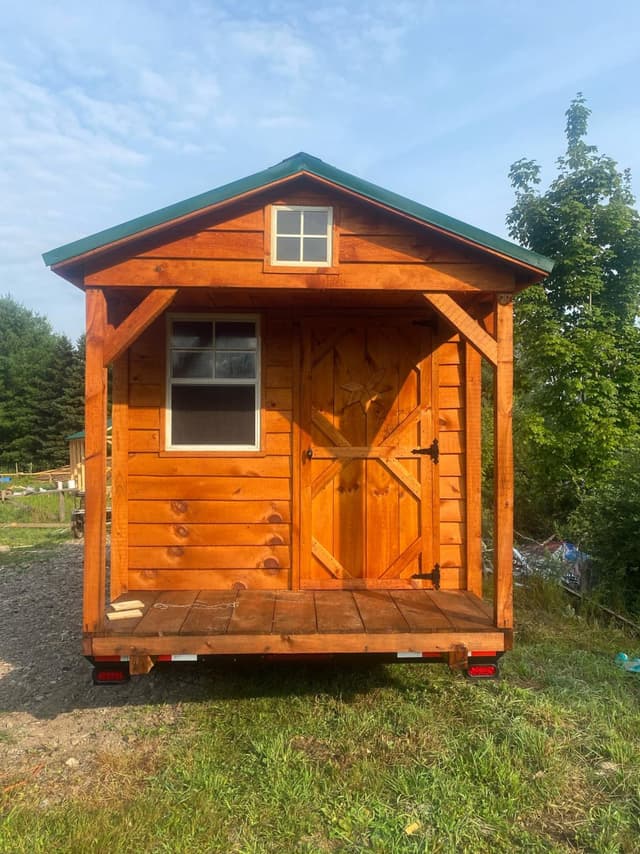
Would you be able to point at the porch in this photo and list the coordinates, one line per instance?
(256, 622)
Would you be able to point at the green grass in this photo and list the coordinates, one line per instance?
(33, 509)
(347, 759)
(40, 507)
(31, 538)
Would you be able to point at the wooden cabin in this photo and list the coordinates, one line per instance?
(76, 458)
(296, 364)
(77, 455)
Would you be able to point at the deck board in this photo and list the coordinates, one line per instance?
(211, 612)
(337, 612)
(253, 613)
(420, 611)
(295, 613)
(305, 614)
(379, 612)
(167, 614)
(459, 609)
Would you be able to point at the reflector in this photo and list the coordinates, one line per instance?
(482, 670)
(100, 676)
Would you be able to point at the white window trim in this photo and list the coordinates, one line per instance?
(274, 236)
(255, 382)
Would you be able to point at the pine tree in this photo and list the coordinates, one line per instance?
(41, 398)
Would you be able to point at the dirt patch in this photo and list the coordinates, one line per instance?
(59, 732)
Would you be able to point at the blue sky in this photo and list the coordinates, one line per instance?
(111, 110)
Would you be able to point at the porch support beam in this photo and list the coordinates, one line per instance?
(95, 462)
(473, 467)
(461, 320)
(503, 466)
(119, 339)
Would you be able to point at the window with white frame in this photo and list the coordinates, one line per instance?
(301, 235)
(213, 394)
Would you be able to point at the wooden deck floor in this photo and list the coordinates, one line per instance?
(258, 621)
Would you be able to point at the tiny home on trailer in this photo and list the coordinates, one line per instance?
(296, 366)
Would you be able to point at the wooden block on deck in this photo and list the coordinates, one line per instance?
(127, 605)
(130, 614)
(128, 623)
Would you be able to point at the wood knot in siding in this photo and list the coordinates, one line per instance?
(179, 506)
(271, 563)
(181, 531)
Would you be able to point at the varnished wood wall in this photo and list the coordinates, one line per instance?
(375, 251)
(209, 520)
(452, 462)
(196, 520)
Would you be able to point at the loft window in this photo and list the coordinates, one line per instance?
(301, 235)
(213, 394)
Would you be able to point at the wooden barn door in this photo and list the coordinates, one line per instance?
(367, 504)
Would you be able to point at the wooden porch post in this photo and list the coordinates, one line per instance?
(95, 462)
(503, 466)
(473, 467)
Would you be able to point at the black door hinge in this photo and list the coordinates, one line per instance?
(433, 577)
(432, 451)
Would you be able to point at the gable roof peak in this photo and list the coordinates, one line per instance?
(286, 169)
(301, 160)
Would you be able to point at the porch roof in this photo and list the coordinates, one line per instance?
(298, 164)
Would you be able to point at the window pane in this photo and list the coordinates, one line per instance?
(187, 363)
(235, 336)
(231, 365)
(288, 249)
(316, 222)
(213, 415)
(288, 222)
(315, 249)
(192, 333)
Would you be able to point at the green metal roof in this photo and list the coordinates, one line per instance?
(81, 434)
(288, 168)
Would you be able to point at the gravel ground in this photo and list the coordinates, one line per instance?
(56, 727)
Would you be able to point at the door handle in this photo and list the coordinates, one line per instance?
(309, 453)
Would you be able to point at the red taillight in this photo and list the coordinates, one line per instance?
(100, 676)
(163, 658)
(483, 670)
(101, 658)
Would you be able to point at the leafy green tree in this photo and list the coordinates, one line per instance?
(577, 345)
(608, 522)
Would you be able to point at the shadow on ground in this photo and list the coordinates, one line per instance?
(43, 672)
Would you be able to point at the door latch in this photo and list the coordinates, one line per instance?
(432, 451)
(433, 577)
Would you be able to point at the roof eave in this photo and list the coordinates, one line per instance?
(63, 257)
